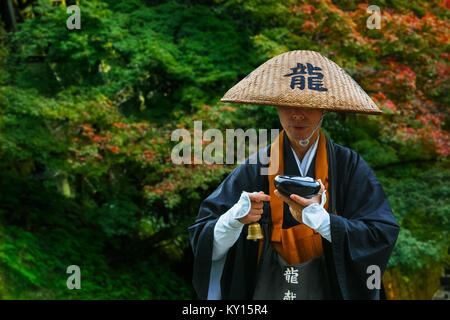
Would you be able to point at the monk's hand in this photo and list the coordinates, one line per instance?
(256, 210)
(297, 203)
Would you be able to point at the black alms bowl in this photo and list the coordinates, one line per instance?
(305, 187)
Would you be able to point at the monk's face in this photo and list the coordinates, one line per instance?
(299, 122)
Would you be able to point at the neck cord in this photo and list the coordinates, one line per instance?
(305, 142)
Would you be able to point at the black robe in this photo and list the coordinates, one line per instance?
(363, 232)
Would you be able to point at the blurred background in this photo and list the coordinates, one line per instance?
(86, 117)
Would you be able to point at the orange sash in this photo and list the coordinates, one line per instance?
(300, 243)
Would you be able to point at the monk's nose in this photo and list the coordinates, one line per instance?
(298, 117)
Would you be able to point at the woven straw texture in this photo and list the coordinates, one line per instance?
(293, 79)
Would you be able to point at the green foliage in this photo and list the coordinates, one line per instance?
(418, 195)
(159, 55)
(40, 238)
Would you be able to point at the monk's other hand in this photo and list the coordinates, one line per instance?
(256, 210)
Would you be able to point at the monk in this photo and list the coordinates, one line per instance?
(335, 245)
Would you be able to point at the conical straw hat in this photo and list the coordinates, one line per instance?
(304, 79)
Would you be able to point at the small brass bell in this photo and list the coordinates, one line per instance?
(254, 232)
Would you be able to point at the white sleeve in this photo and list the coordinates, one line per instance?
(316, 217)
(228, 229)
(226, 232)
